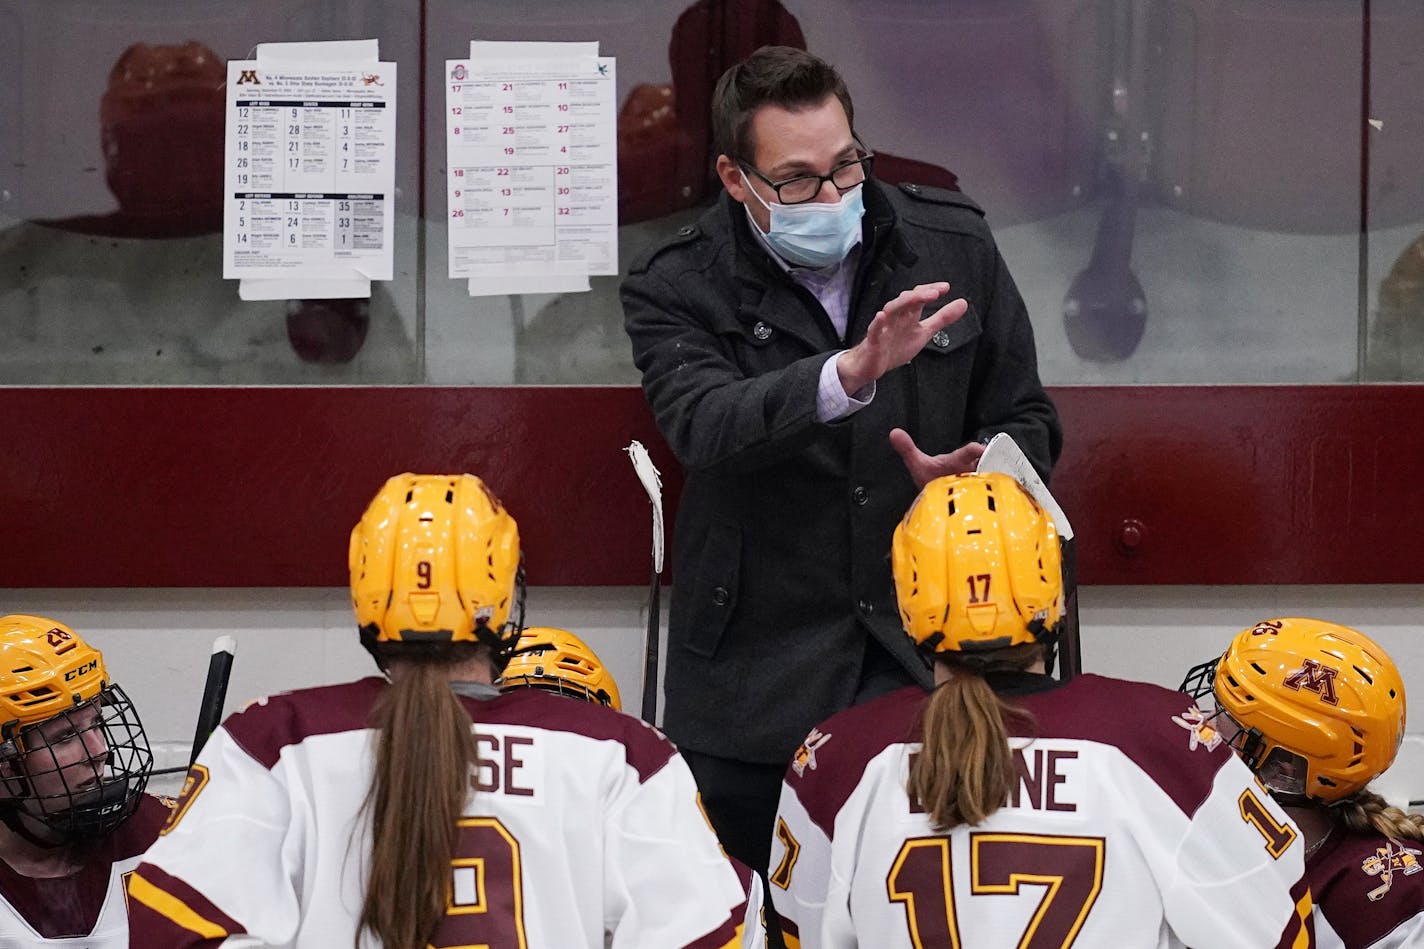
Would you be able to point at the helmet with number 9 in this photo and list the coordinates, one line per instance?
(556, 660)
(74, 758)
(977, 566)
(1320, 706)
(435, 559)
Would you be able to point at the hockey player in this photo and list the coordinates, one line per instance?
(1007, 809)
(426, 808)
(556, 660)
(1316, 709)
(74, 762)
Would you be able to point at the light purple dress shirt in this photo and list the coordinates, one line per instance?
(831, 288)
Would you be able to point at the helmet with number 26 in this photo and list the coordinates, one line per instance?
(977, 566)
(1316, 708)
(435, 559)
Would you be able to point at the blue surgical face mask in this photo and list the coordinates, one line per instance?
(814, 234)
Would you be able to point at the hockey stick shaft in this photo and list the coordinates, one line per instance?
(652, 484)
(1071, 643)
(214, 693)
(651, 654)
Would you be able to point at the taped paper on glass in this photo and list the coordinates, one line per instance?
(309, 178)
(532, 167)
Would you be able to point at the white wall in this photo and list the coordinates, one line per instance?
(157, 641)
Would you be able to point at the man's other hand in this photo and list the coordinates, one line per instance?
(925, 468)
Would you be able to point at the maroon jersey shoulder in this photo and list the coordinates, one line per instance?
(645, 748)
(1366, 885)
(831, 760)
(1154, 727)
(270, 724)
(264, 728)
(135, 835)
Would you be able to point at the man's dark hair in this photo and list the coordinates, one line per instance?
(773, 75)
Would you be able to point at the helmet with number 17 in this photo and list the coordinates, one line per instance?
(977, 566)
(1315, 708)
(556, 660)
(435, 559)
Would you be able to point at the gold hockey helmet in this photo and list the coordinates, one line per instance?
(977, 566)
(1318, 707)
(74, 758)
(556, 660)
(435, 559)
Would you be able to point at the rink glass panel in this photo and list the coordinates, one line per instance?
(1187, 191)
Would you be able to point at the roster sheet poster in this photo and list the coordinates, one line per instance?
(310, 174)
(532, 167)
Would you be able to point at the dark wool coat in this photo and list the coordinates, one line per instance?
(780, 555)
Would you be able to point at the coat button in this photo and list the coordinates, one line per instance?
(720, 596)
(940, 339)
(761, 331)
(913, 189)
(866, 607)
(860, 495)
(687, 230)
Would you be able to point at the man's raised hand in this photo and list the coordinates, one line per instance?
(896, 335)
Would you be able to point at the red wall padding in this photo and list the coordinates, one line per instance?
(259, 487)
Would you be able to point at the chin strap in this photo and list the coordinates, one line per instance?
(14, 820)
(88, 821)
(101, 815)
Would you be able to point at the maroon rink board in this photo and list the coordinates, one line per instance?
(222, 487)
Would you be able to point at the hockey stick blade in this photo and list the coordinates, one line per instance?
(1003, 454)
(652, 482)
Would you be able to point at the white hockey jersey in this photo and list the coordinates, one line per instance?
(1369, 892)
(1132, 825)
(85, 910)
(584, 821)
(754, 930)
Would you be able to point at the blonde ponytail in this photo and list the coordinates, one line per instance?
(1366, 812)
(965, 769)
(425, 750)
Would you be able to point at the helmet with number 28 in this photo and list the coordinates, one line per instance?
(435, 559)
(74, 759)
(977, 566)
(1317, 708)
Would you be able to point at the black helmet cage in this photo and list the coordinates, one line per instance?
(1200, 686)
(1248, 743)
(503, 640)
(1199, 682)
(544, 682)
(92, 794)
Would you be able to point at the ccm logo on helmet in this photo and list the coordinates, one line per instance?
(88, 667)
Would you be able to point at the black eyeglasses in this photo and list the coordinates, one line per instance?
(804, 188)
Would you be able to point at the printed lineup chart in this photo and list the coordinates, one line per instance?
(532, 169)
(310, 176)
